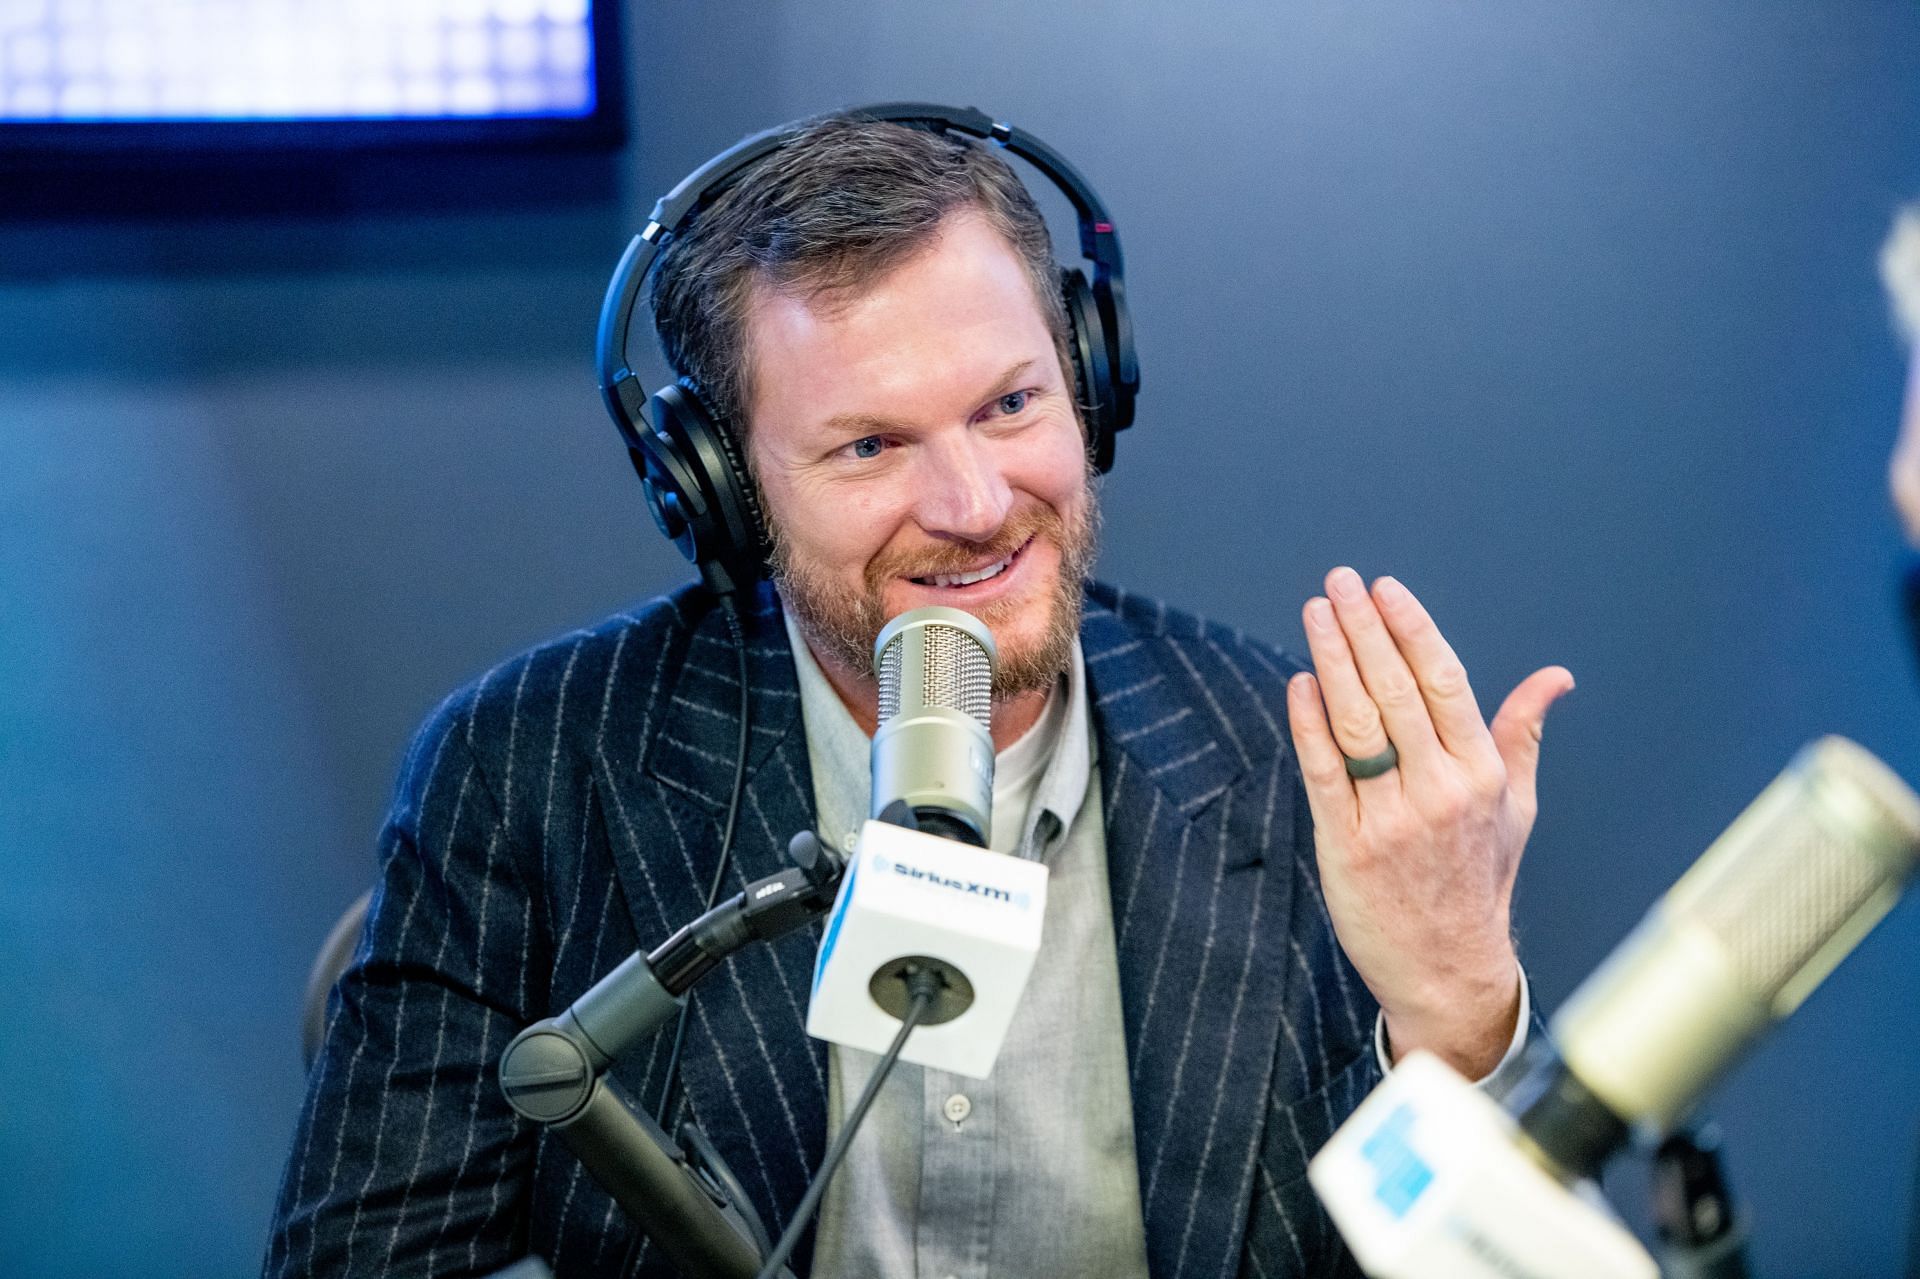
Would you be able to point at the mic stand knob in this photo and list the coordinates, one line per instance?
(1701, 1236)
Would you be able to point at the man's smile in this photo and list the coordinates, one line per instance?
(968, 577)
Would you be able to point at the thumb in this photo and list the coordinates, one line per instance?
(1518, 725)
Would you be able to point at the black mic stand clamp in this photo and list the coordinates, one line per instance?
(1700, 1233)
(681, 1195)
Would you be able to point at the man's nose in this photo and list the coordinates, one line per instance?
(959, 490)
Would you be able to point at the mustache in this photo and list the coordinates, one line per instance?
(959, 557)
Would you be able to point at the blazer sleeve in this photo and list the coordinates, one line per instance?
(406, 1159)
(1289, 1231)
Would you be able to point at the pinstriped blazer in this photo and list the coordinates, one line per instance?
(565, 809)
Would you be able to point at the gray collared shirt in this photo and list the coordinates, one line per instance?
(1032, 1170)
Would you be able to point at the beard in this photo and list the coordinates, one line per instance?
(844, 626)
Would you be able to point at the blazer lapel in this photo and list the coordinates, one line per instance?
(1198, 796)
(753, 1078)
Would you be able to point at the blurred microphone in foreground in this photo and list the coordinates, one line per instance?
(1432, 1178)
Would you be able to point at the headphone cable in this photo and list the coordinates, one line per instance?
(669, 1092)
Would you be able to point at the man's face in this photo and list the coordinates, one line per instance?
(917, 444)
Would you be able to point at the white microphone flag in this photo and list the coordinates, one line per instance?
(909, 893)
(1428, 1180)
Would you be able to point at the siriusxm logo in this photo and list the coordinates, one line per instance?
(1401, 1175)
(987, 891)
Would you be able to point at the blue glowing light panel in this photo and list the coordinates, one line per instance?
(220, 60)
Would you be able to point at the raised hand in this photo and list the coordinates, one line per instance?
(1418, 859)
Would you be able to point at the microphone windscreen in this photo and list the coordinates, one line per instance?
(947, 653)
(1758, 922)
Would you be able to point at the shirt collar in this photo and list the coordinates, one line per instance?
(1063, 786)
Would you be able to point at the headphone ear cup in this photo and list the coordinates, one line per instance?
(671, 492)
(698, 489)
(1110, 299)
(663, 499)
(1094, 388)
(741, 494)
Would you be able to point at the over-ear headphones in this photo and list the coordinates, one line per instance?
(690, 465)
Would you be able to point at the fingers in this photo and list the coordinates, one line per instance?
(1518, 726)
(1329, 790)
(1443, 680)
(1355, 720)
(1365, 677)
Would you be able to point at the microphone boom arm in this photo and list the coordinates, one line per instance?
(555, 1072)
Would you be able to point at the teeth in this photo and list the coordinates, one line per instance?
(967, 579)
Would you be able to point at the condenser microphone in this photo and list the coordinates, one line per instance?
(1432, 1176)
(1745, 935)
(924, 892)
(933, 749)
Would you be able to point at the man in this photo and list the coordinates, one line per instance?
(874, 307)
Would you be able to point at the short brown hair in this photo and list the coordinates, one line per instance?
(839, 205)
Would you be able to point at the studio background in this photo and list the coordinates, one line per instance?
(1563, 314)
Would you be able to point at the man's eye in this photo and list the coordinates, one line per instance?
(867, 446)
(1013, 402)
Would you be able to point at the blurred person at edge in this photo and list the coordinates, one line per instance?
(1900, 272)
(1244, 932)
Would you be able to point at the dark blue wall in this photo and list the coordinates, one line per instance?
(1564, 314)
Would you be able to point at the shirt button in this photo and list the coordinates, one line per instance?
(957, 1107)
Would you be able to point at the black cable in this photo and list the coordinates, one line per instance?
(924, 986)
(670, 1089)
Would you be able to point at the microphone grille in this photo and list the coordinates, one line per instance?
(1806, 871)
(959, 673)
(1795, 893)
(889, 675)
(936, 657)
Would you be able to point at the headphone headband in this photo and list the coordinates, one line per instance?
(1099, 242)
